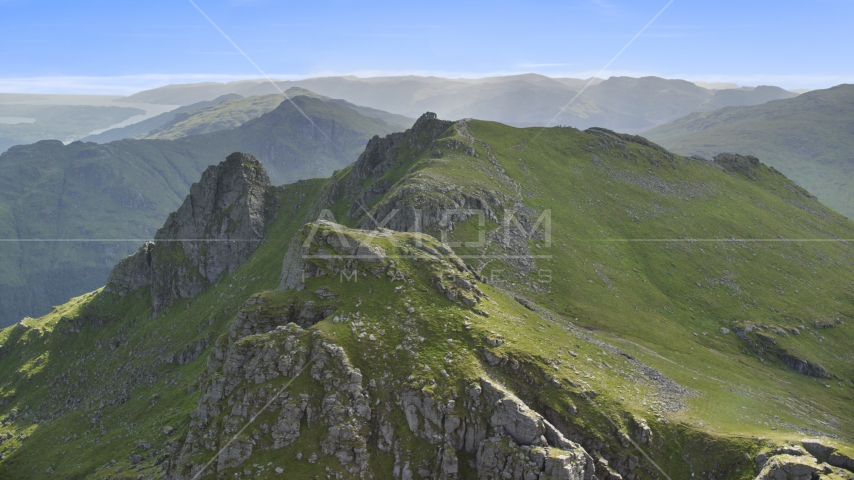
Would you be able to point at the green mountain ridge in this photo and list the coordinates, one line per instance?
(220, 116)
(618, 103)
(225, 112)
(122, 190)
(809, 138)
(584, 304)
(141, 129)
(739, 97)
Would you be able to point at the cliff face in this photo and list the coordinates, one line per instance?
(383, 190)
(216, 229)
(131, 273)
(351, 420)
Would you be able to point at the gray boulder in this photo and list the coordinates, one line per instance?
(790, 467)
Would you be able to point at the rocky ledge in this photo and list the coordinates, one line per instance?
(352, 423)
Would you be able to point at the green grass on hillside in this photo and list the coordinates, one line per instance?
(222, 116)
(808, 138)
(666, 299)
(650, 257)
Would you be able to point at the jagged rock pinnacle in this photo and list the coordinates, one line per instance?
(216, 229)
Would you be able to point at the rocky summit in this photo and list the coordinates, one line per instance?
(466, 300)
(216, 229)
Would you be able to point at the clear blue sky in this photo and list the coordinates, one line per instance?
(124, 45)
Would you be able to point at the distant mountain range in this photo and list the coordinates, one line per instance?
(809, 138)
(618, 103)
(124, 189)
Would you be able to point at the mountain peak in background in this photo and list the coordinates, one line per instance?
(124, 189)
(809, 138)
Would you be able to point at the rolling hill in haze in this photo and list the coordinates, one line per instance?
(619, 103)
(228, 111)
(141, 129)
(548, 304)
(124, 190)
(809, 138)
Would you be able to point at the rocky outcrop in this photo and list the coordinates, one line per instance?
(800, 462)
(254, 319)
(229, 399)
(216, 229)
(828, 453)
(841, 460)
(789, 467)
(131, 273)
(500, 458)
(761, 343)
(434, 205)
(384, 153)
(802, 366)
(746, 165)
(509, 439)
(331, 416)
(326, 249)
(611, 138)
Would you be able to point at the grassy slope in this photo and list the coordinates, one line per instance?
(222, 116)
(647, 298)
(808, 138)
(124, 190)
(140, 129)
(132, 395)
(657, 295)
(652, 297)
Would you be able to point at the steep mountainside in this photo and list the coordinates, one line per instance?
(220, 116)
(236, 112)
(229, 111)
(54, 196)
(619, 103)
(142, 128)
(586, 305)
(809, 138)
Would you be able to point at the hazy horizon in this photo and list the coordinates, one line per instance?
(92, 48)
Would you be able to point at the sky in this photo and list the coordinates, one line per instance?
(123, 46)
